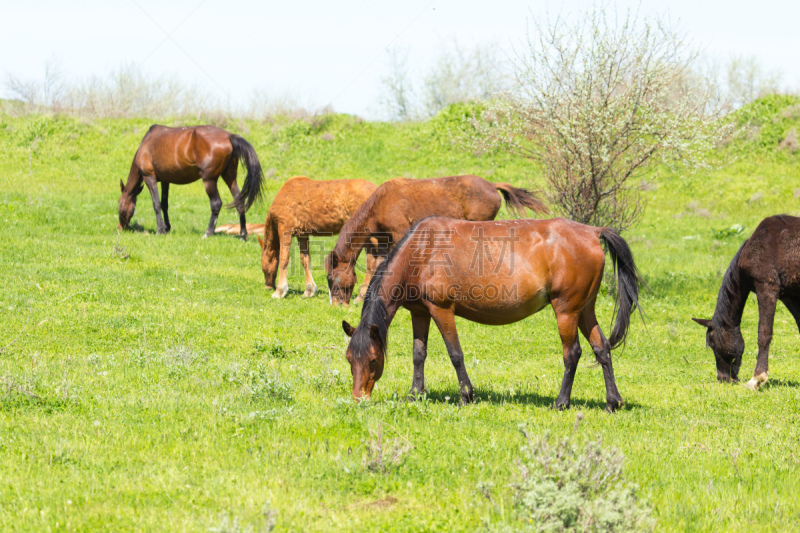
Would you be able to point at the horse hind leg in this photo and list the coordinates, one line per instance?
(230, 180)
(305, 258)
(602, 353)
(216, 205)
(568, 331)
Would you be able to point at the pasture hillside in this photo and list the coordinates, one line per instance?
(150, 383)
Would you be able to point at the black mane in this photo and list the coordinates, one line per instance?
(374, 310)
(729, 301)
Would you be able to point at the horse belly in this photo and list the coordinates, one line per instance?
(499, 304)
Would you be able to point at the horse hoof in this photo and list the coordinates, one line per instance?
(757, 381)
(613, 405)
(753, 384)
(205, 236)
(561, 406)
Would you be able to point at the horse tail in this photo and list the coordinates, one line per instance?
(251, 189)
(628, 282)
(517, 199)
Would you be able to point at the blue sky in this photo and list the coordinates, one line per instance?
(331, 53)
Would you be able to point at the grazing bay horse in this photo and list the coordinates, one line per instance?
(768, 264)
(400, 203)
(494, 273)
(185, 155)
(304, 207)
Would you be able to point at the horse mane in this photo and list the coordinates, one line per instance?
(374, 310)
(361, 215)
(729, 308)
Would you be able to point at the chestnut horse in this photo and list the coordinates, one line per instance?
(304, 207)
(233, 229)
(767, 265)
(400, 203)
(494, 273)
(185, 155)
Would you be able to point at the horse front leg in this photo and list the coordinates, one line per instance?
(152, 186)
(767, 302)
(568, 330)
(165, 204)
(305, 258)
(282, 286)
(446, 322)
(421, 325)
(216, 205)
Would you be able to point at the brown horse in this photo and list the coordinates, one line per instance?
(766, 264)
(494, 273)
(185, 155)
(400, 203)
(304, 207)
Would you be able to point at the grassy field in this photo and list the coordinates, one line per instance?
(150, 382)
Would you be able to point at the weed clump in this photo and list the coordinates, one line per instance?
(385, 454)
(566, 487)
(271, 349)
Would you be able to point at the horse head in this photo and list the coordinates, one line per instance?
(366, 354)
(727, 344)
(341, 279)
(127, 203)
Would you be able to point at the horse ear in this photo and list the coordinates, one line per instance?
(703, 322)
(121, 186)
(260, 241)
(374, 332)
(348, 329)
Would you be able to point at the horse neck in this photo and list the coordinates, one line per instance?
(361, 224)
(134, 178)
(732, 297)
(387, 289)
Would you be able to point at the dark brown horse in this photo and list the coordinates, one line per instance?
(304, 207)
(185, 155)
(400, 203)
(768, 263)
(494, 273)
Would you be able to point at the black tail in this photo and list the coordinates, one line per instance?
(517, 199)
(251, 189)
(628, 282)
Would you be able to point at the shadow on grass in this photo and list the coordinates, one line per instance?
(135, 227)
(773, 382)
(521, 398)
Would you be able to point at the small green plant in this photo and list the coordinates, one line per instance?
(724, 233)
(179, 358)
(259, 383)
(271, 349)
(565, 487)
(385, 454)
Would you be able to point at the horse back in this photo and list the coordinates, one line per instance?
(498, 272)
(183, 155)
(772, 254)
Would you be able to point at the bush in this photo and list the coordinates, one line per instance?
(564, 487)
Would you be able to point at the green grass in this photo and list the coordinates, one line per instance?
(150, 382)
